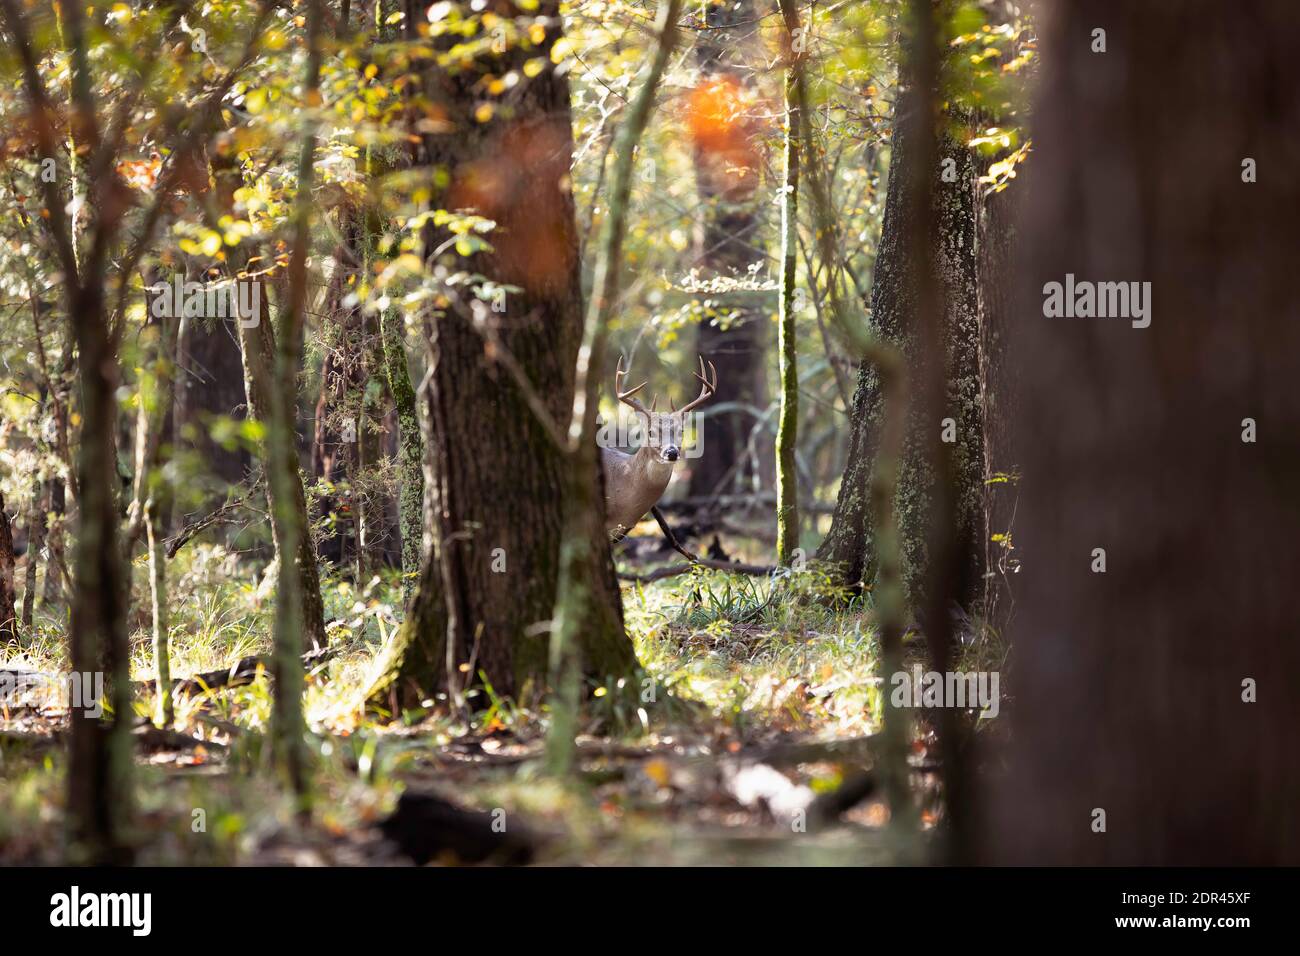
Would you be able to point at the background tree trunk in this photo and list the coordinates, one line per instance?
(1129, 684)
(209, 383)
(894, 317)
(258, 355)
(35, 545)
(151, 499)
(56, 564)
(347, 438)
(727, 167)
(8, 613)
(410, 447)
(787, 436)
(259, 351)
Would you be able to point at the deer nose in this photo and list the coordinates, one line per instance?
(670, 453)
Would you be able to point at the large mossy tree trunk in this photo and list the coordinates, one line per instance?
(410, 446)
(850, 541)
(1161, 692)
(787, 436)
(727, 172)
(351, 408)
(496, 477)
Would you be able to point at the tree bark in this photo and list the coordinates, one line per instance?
(36, 519)
(151, 499)
(410, 447)
(99, 771)
(56, 564)
(496, 477)
(345, 442)
(8, 613)
(787, 436)
(850, 542)
(1132, 685)
(288, 510)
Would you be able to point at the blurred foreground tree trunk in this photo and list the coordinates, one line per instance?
(1161, 692)
(99, 796)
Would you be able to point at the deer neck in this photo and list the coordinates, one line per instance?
(653, 473)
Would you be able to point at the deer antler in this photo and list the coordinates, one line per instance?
(709, 387)
(626, 397)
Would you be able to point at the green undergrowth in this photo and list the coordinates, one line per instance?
(729, 661)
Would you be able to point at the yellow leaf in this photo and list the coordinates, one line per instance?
(658, 770)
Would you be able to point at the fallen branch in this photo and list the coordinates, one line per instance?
(185, 534)
(671, 570)
(241, 673)
(728, 502)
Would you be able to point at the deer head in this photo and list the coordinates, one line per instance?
(663, 430)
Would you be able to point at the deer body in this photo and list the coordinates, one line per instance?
(635, 483)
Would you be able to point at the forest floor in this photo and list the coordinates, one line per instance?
(757, 725)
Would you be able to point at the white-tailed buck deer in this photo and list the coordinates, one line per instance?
(634, 483)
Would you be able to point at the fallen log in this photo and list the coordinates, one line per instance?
(148, 736)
